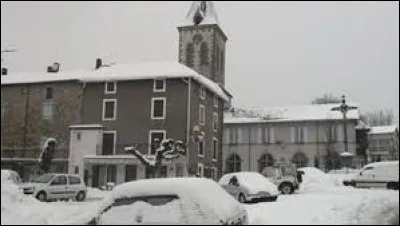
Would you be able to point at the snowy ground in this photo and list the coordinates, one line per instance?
(320, 200)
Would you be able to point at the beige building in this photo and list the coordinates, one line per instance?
(383, 143)
(305, 135)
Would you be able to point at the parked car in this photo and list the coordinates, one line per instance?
(377, 174)
(170, 201)
(10, 176)
(285, 176)
(56, 186)
(249, 187)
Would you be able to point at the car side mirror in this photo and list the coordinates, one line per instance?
(361, 173)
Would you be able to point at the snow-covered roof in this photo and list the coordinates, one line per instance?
(121, 72)
(42, 77)
(382, 129)
(294, 113)
(205, 193)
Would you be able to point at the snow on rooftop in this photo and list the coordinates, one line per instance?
(294, 113)
(120, 72)
(209, 17)
(42, 77)
(382, 129)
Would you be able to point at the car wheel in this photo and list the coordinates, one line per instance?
(80, 196)
(41, 196)
(286, 188)
(242, 198)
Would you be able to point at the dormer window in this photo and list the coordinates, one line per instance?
(111, 88)
(159, 85)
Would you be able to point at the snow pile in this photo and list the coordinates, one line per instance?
(16, 208)
(315, 180)
(338, 176)
(353, 207)
(95, 193)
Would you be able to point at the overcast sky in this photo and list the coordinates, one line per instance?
(278, 53)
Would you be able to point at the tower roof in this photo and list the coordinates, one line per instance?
(201, 12)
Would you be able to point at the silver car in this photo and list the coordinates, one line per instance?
(249, 187)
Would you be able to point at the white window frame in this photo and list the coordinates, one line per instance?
(155, 131)
(159, 90)
(203, 93)
(164, 99)
(203, 141)
(216, 101)
(200, 165)
(115, 139)
(202, 115)
(106, 85)
(215, 117)
(215, 152)
(104, 109)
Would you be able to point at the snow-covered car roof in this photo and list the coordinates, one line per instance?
(388, 163)
(205, 193)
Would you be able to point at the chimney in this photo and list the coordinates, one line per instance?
(99, 63)
(56, 67)
(53, 69)
(4, 71)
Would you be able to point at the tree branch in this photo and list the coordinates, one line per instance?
(135, 152)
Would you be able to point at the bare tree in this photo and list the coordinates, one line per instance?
(167, 150)
(379, 118)
(326, 99)
(47, 155)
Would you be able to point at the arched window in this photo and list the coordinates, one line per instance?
(190, 55)
(300, 159)
(264, 161)
(204, 61)
(233, 164)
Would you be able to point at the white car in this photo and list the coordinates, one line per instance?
(377, 174)
(179, 201)
(56, 186)
(249, 187)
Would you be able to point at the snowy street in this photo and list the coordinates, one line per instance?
(320, 200)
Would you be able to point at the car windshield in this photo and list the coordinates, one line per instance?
(143, 210)
(44, 178)
(288, 170)
(271, 172)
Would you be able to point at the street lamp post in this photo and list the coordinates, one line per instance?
(344, 108)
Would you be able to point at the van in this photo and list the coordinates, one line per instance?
(378, 175)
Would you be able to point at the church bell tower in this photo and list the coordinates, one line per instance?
(202, 42)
